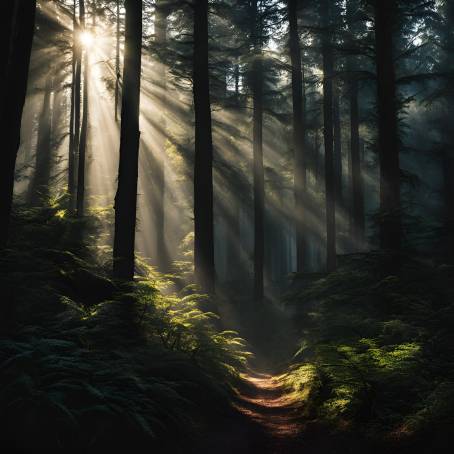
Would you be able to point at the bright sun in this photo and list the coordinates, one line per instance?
(87, 39)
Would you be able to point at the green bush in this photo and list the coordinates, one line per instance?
(90, 365)
(379, 348)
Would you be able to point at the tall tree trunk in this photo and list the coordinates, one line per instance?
(77, 129)
(232, 214)
(357, 215)
(330, 184)
(298, 134)
(13, 104)
(337, 130)
(203, 162)
(84, 129)
(448, 196)
(39, 186)
(358, 219)
(9, 15)
(448, 154)
(117, 62)
(388, 131)
(258, 171)
(236, 253)
(162, 253)
(126, 197)
(71, 152)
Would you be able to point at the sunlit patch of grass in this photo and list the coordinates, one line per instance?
(302, 381)
(336, 407)
(61, 214)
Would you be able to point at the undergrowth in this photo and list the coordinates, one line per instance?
(91, 365)
(376, 359)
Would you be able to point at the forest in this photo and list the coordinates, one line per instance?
(227, 226)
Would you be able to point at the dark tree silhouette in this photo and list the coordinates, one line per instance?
(357, 191)
(161, 13)
(388, 130)
(330, 183)
(203, 162)
(117, 60)
(258, 176)
(298, 132)
(82, 152)
(15, 77)
(126, 196)
(73, 125)
(447, 154)
(337, 137)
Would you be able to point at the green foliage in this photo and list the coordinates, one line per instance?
(58, 395)
(88, 365)
(376, 350)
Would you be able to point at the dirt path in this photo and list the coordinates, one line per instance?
(267, 418)
(266, 403)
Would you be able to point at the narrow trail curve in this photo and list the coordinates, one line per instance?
(267, 419)
(266, 403)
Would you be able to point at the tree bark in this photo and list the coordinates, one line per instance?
(9, 13)
(203, 163)
(388, 131)
(298, 134)
(77, 103)
(357, 215)
(448, 196)
(126, 196)
(13, 102)
(162, 254)
(447, 157)
(80, 207)
(258, 171)
(337, 130)
(117, 62)
(71, 151)
(358, 218)
(330, 184)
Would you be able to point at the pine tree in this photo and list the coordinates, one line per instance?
(15, 77)
(298, 133)
(203, 160)
(388, 131)
(330, 184)
(126, 196)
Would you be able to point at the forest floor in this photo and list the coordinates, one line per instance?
(269, 417)
(267, 421)
(265, 402)
(358, 361)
